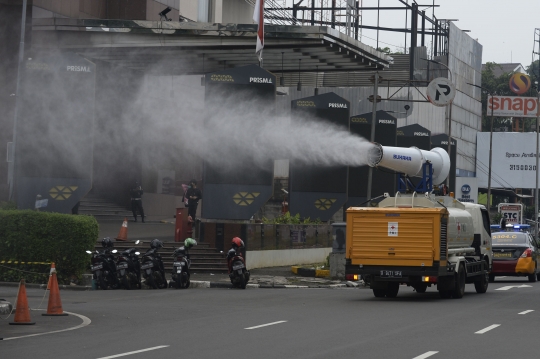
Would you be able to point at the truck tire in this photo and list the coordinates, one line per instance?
(491, 277)
(393, 289)
(379, 293)
(460, 277)
(481, 285)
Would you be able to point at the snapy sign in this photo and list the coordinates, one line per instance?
(509, 106)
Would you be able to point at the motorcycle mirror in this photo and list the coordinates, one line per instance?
(137, 241)
(114, 251)
(137, 253)
(88, 252)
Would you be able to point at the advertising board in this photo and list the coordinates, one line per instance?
(514, 160)
(466, 189)
(511, 212)
(513, 106)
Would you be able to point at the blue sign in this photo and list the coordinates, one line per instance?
(465, 189)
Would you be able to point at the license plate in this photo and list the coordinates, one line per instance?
(238, 266)
(179, 264)
(502, 255)
(122, 265)
(391, 273)
(147, 265)
(97, 267)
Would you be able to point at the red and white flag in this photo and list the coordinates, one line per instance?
(258, 17)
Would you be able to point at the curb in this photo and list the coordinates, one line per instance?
(44, 286)
(309, 272)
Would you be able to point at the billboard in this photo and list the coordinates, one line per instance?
(318, 191)
(511, 212)
(513, 161)
(466, 189)
(237, 188)
(513, 106)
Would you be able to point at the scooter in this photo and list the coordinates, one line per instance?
(128, 268)
(238, 272)
(181, 265)
(152, 266)
(103, 266)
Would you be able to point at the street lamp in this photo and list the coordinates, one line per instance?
(448, 115)
(491, 147)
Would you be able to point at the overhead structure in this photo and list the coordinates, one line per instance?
(178, 48)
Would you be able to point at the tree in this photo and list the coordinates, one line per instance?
(497, 86)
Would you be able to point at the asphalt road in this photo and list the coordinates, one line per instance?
(282, 323)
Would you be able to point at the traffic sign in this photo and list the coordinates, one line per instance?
(441, 91)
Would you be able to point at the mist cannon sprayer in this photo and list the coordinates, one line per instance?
(432, 166)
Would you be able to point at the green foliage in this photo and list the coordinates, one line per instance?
(388, 51)
(31, 236)
(7, 205)
(288, 219)
(496, 219)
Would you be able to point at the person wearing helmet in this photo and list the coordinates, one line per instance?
(107, 243)
(237, 243)
(156, 244)
(193, 194)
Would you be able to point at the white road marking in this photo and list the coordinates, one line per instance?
(85, 322)
(265, 325)
(514, 286)
(487, 329)
(527, 311)
(134, 352)
(425, 355)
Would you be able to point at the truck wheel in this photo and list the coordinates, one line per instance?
(420, 288)
(491, 277)
(481, 285)
(379, 293)
(393, 289)
(460, 277)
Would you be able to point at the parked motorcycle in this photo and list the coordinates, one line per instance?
(103, 265)
(181, 265)
(152, 266)
(238, 272)
(128, 268)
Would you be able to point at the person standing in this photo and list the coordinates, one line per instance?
(136, 201)
(193, 195)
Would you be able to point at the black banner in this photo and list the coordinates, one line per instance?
(383, 179)
(237, 187)
(54, 144)
(414, 135)
(318, 192)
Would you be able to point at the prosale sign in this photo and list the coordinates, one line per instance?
(513, 106)
(514, 159)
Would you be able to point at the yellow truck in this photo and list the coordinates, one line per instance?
(421, 241)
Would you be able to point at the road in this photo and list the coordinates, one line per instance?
(282, 323)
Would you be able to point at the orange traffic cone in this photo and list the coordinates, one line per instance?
(122, 236)
(55, 303)
(53, 269)
(22, 312)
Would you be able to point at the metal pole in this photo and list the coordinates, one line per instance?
(17, 101)
(536, 187)
(372, 137)
(490, 158)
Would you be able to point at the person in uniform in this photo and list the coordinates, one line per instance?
(136, 201)
(193, 195)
